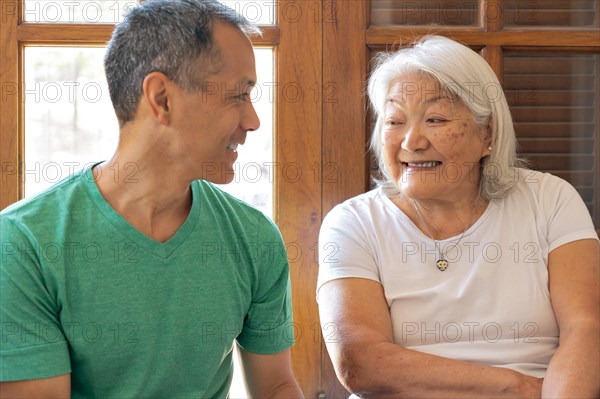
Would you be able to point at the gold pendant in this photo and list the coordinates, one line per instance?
(442, 264)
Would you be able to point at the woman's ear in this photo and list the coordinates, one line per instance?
(488, 138)
(156, 94)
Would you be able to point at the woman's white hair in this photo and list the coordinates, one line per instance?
(461, 72)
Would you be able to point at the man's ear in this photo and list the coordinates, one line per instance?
(155, 91)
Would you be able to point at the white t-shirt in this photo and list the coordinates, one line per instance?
(492, 304)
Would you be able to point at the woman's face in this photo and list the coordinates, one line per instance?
(431, 143)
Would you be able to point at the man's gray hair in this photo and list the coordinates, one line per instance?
(463, 73)
(168, 36)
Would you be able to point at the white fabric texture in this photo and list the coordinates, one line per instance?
(492, 305)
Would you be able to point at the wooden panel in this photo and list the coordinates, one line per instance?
(564, 5)
(344, 149)
(557, 146)
(553, 162)
(552, 114)
(540, 81)
(553, 130)
(100, 34)
(10, 185)
(532, 96)
(424, 12)
(550, 13)
(378, 35)
(298, 192)
(492, 12)
(559, 65)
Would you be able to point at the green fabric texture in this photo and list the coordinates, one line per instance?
(83, 291)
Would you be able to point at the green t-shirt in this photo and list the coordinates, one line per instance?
(83, 291)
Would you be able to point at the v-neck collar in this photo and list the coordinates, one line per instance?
(160, 249)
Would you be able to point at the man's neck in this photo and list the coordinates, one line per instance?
(154, 201)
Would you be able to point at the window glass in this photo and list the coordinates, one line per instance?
(70, 122)
(69, 119)
(551, 13)
(554, 103)
(260, 12)
(425, 12)
(76, 11)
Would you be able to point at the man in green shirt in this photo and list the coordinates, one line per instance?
(131, 285)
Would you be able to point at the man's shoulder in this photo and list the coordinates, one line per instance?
(48, 204)
(233, 211)
(215, 197)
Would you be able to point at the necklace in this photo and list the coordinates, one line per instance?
(442, 263)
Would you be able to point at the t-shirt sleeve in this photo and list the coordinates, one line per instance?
(268, 326)
(568, 217)
(32, 343)
(344, 248)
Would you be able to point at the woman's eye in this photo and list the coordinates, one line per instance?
(392, 123)
(436, 120)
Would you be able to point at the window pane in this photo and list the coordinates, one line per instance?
(69, 119)
(260, 12)
(76, 11)
(558, 13)
(425, 12)
(554, 104)
(70, 122)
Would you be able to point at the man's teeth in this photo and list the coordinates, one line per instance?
(232, 147)
(424, 164)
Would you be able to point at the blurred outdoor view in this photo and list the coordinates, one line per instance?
(70, 122)
(261, 12)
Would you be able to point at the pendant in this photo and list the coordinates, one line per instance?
(442, 264)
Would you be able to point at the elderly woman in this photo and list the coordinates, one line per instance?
(462, 274)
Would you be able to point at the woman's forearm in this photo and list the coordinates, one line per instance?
(574, 371)
(388, 370)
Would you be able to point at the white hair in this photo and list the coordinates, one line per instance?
(462, 72)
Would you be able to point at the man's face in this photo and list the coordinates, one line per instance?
(212, 123)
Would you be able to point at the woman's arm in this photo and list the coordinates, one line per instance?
(369, 364)
(574, 371)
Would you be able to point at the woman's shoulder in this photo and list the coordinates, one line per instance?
(362, 204)
(533, 182)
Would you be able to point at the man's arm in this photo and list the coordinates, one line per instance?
(574, 370)
(269, 376)
(44, 388)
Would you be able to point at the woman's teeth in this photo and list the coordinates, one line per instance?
(424, 164)
(232, 147)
